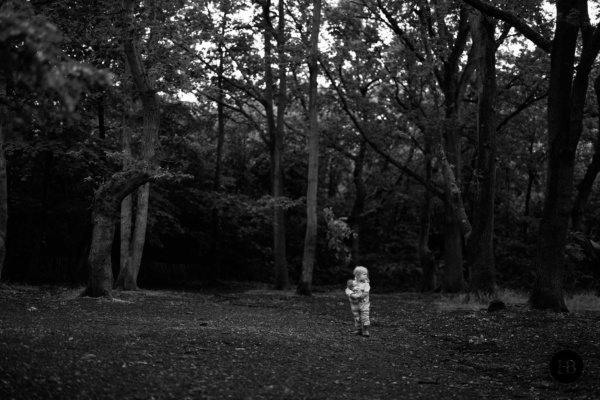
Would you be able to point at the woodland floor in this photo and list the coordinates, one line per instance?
(259, 344)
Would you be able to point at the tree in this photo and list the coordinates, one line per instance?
(130, 264)
(480, 247)
(566, 100)
(275, 128)
(107, 203)
(584, 188)
(310, 241)
(440, 51)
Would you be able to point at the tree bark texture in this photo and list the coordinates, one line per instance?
(125, 277)
(3, 195)
(566, 99)
(6, 125)
(426, 258)
(480, 249)
(456, 225)
(276, 150)
(139, 230)
(584, 189)
(310, 239)
(548, 290)
(151, 122)
(106, 210)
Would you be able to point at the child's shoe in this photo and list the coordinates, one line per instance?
(358, 331)
(365, 331)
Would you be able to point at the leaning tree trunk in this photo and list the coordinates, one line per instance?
(310, 240)
(480, 248)
(151, 121)
(106, 211)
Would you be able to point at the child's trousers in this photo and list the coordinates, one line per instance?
(360, 311)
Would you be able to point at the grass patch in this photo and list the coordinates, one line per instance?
(464, 301)
(586, 301)
(583, 302)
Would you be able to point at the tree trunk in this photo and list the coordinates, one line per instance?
(106, 210)
(101, 276)
(310, 240)
(125, 277)
(276, 147)
(452, 280)
(359, 201)
(548, 290)
(584, 189)
(216, 217)
(151, 122)
(566, 100)
(531, 175)
(3, 196)
(139, 230)
(6, 126)
(281, 276)
(480, 249)
(456, 227)
(426, 258)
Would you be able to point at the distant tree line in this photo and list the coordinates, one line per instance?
(449, 145)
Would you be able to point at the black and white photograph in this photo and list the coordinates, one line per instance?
(299, 199)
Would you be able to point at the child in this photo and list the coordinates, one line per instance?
(358, 294)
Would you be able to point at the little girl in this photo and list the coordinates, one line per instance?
(358, 294)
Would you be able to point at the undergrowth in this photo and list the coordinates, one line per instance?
(585, 301)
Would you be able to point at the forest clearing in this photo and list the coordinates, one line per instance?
(245, 343)
(436, 150)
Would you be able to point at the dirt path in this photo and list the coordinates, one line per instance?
(267, 345)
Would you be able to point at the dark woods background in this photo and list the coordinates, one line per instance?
(216, 223)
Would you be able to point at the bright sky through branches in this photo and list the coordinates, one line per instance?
(325, 43)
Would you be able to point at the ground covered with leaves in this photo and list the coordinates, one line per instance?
(259, 344)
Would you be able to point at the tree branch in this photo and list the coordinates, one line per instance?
(518, 23)
(435, 190)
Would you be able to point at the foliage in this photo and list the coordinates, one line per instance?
(29, 46)
(338, 232)
(379, 83)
